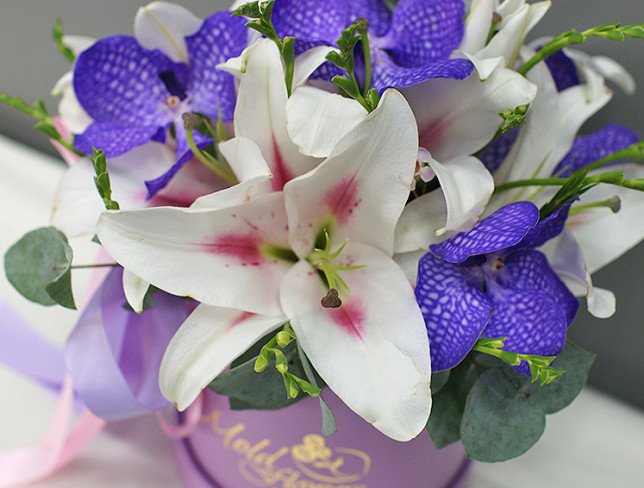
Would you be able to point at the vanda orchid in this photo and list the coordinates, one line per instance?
(385, 201)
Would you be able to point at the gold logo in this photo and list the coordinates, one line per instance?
(310, 464)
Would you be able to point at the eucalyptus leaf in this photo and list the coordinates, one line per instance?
(499, 421)
(39, 267)
(439, 380)
(329, 425)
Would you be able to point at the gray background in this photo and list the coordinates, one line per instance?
(30, 65)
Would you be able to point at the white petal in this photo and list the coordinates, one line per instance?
(260, 114)
(214, 256)
(457, 118)
(603, 235)
(249, 166)
(70, 111)
(76, 202)
(307, 62)
(209, 340)
(566, 259)
(164, 26)
(135, 289)
(78, 44)
(359, 192)
(477, 25)
(318, 119)
(420, 221)
(486, 66)
(408, 262)
(551, 126)
(373, 351)
(468, 186)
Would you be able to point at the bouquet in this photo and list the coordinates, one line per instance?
(388, 202)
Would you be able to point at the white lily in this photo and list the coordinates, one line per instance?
(254, 266)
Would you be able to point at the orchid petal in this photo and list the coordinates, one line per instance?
(421, 218)
(377, 334)
(424, 31)
(317, 119)
(114, 139)
(454, 308)
(459, 118)
(180, 250)
(496, 151)
(625, 228)
(208, 341)
(501, 230)
(467, 186)
(135, 290)
(551, 126)
(563, 70)
(566, 259)
(606, 67)
(359, 192)
(251, 169)
(164, 26)
(220, 37)
(311, 19)
(261, 114)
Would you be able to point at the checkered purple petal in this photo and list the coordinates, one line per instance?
(116, 80)
(311, 20)
(454, 307)
(220, 38)
(496, 152)
(530, 271)
(563, 70)
(424, 31)
(387, 74)
(593, 147)
(375, 11)
(501, 230)
(546, 229)
(184, 154)
(115, 139)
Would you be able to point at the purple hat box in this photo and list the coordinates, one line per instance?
(285, 449)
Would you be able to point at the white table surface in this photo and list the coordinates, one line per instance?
(598, 442)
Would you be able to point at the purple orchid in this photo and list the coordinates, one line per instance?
(491, 282)
(408, 46)
(134, 94)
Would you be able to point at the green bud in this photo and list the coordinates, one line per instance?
(284, 338)
(261, 363)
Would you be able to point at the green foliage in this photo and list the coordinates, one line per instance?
(513, 118)
(58, 34)
(614, 32)
(39, 267)
(497, 412)
(102, 179)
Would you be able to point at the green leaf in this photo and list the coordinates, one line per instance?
(39, 265)
(35, 110)
(329, 425)
(576, 362)
(261, 391)
(58, 34)
(48, 129)
(636, 31)
(448, 404)
(499, 421)
(439, 380)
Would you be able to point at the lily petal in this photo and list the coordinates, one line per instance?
(135, 290)
(164, 26)
(251, 169)
(318, 119)
(417, 226)
(180, 250)
(477, 25)
(467, 186)
(307, 62)
(260, 114)
(208, 341)
(359, 192)
(378, 335)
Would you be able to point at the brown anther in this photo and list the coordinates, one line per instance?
(496, 18)
(362, 23)
(172, 101)
(331, 299)
(499, 263)
(190, 121)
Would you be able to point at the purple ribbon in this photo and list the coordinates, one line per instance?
(113, 355)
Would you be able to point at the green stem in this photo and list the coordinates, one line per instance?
(211, 163)
(612, 178)
(366, 52)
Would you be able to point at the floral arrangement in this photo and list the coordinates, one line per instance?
(384, 200)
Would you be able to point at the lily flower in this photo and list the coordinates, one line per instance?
(135, 94)
(257, 265)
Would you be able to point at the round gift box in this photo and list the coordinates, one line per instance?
(285, 449)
